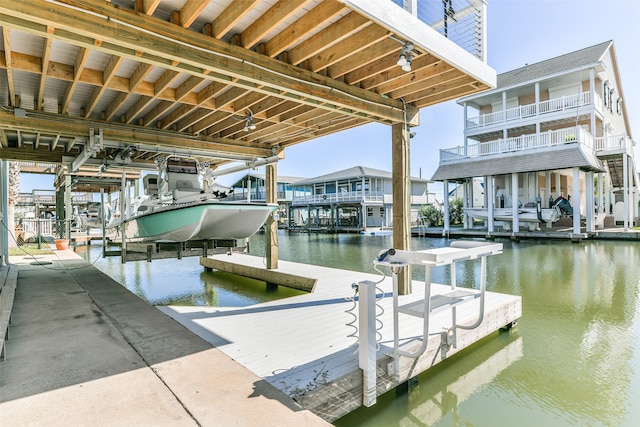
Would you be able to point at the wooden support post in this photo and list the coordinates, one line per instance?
(401, 181)
(272, 225)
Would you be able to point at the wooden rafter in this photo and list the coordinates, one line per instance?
(108, 73)
(126, 135)
(278, 13)
(81, 60)
(191, 10)
(323, 13)
(335, 33)
(230, 17)
(147, 6)
(6, 34)
(173, 44)
(46, 54)
(136, 79)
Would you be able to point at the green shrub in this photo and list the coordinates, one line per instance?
(431, 215)
(455, 211)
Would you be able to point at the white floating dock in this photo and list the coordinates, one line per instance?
(303, 346)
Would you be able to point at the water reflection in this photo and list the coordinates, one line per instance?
(573, 360)
(184, 282)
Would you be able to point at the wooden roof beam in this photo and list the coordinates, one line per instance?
(273, 17)
(81, 60)
(136, 79)
(173, 47)
(391, 75)
(323, 13)
(191, 10)
(6, 34)
(423, 74)
(424, 84)
(147, 6)
(334, 33)
(460, 85)
(127, 135)
(46, 54)
(108, 73)
(373, 53)
(233, 13)
(348, 48)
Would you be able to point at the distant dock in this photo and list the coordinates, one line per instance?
(306, 346)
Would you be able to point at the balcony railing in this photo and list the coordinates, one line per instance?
(554, 105)
(461, 21)
(48, 197)
(571, 135)
(619, 142)
(351, 196)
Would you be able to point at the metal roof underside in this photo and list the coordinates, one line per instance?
(561, 157)
(221, 81)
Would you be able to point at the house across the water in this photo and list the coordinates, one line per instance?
(552, 139)
(351, 200)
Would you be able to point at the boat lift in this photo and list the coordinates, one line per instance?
(394, 259)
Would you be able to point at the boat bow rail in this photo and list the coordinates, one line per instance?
(458, 251)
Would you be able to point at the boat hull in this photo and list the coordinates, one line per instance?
(524, 214)
(201, 221)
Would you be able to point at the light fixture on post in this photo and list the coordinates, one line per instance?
(406, 56)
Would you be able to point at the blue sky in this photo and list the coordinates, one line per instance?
(519, 32)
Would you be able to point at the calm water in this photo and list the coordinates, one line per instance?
(574, 358)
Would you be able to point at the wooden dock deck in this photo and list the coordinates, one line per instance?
(304, 346)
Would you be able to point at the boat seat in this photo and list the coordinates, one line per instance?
(150, 185)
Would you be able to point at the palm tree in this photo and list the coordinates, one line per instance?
(14, 193)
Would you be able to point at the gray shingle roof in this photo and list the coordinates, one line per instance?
(553, 158)
(354, 172)
(570, 61)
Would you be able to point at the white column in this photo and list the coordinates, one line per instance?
(514, 203)
(590, 214)
(467, 201)
(592, 100)
(4, 207)
(547, 183)
(367, 340)
(445, 185)
(625, 189)
(490, 190)
(601, 200)
(558, 190)
(575, 200)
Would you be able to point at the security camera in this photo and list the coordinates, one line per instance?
(412, 134)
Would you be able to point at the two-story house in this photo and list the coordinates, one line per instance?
(352, 199)
(551, 132)
(253, 187)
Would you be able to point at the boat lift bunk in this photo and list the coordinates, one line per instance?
(458, 251)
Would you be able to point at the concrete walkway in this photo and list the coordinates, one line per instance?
(85, 351)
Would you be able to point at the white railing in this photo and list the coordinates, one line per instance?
(350, 196)
(521, 143)
(461, 21)
(544, 107)
(48, 197)
(619, 142)
(41, 226)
